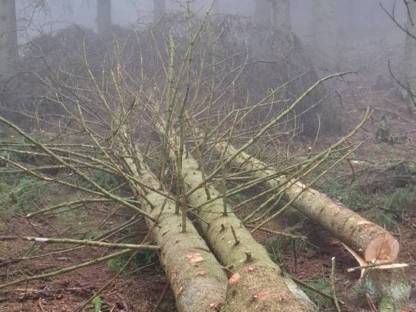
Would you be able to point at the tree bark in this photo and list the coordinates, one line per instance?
(368, 239)
(8, 37)
(257, 283)
(104, 19)
(410, 55)
(196, 278)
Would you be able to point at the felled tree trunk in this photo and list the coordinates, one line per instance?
(366, 238)
(257, 283)
(8, 37)
(196, 278)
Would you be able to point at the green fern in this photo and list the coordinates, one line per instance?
(97, 303)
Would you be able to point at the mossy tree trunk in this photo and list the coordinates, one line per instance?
(198, 281)
(257, 283)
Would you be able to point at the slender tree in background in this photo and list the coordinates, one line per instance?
(324, 33)
(104, 20)
(281, 15)
(263, 28)
(8, 37)
(272, 13)
(216, 7)
(410, 55)
(263, 13)
(159, 9)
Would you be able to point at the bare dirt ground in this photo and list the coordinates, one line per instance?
(147, 290)
(139, 291)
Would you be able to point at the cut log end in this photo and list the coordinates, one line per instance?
(382, 249)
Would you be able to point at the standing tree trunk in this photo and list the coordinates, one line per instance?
(410, 56)
(324, 33)
(8, 37)
(263, 13)
(281, 15)
(216, 7)
(159, 9)
(104, 21)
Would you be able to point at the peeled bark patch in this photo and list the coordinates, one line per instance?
(257, 283)
(368, 239)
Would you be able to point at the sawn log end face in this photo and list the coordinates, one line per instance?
(383, 248)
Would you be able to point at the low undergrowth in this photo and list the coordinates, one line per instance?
(131, 266)
(314, 289)
(21, 194)
(385, 195)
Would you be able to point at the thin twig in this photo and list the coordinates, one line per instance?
(90, 243)
(333, 284)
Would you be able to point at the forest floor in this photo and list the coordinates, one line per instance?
(377, 184)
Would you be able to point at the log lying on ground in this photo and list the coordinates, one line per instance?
(197, 279)
(370, 240)
(257, 283)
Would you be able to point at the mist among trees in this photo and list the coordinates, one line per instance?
(207, 155)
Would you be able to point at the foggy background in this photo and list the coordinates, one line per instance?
(361, 24)
(359, 17)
